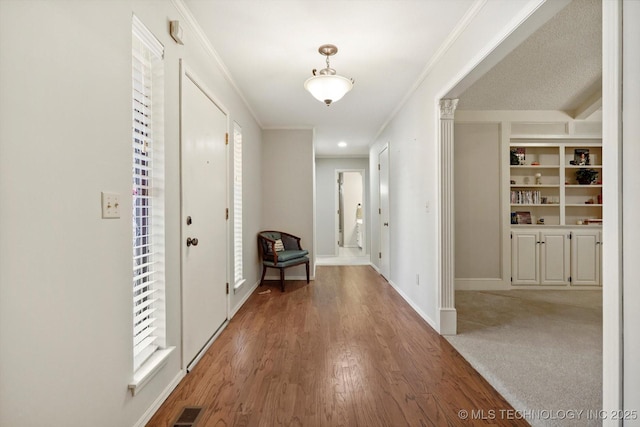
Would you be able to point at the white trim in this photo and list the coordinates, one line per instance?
(612, 365)
(444, 47)
(149, 369)
(417, 309)
(238, 285)
(243, 300)
(202, 38)
(150, 412)
(448, 321)
(204, 349)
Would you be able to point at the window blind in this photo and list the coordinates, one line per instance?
(237, 203)
(147, 280)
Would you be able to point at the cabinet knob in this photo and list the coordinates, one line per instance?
(192, 241)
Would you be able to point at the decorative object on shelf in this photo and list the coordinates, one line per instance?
(523, 217)
(538, 178)
(535, 163)
(514, 218)
(325, 85)
(581, 157)
(540, 221)
(579, 222)
(513, 182)
(599, 199)
(518, 156)
(586, 176)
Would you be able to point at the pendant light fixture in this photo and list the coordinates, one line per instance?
(326, 86)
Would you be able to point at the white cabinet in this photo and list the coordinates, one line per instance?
(556, 257)
(540, 257)
(585, 257)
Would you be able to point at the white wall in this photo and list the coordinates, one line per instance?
(414, 158)
(288, 189)
(65, 273)
(325, 200)
(478, 209)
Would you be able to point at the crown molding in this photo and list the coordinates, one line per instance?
(206, 43)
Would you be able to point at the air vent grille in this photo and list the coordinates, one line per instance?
(188, 417)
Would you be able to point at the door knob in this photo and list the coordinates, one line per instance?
(386, 224)
(192, 241)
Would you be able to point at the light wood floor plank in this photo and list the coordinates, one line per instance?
(344, 350)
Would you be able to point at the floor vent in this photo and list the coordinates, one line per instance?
(188, 417)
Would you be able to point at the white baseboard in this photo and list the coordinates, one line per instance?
(375, 267)
(414, 306)
(448, 321)
(243, 300)
(160, 400)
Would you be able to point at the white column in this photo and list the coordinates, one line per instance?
(446, 308)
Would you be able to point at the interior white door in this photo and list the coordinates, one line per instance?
(383, 182)
(204, 261)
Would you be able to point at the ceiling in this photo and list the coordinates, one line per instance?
(269, 48)
(558, 67)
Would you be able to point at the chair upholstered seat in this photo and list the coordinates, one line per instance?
(280, 250)
(287, 255)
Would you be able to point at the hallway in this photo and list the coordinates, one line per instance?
(343, 350)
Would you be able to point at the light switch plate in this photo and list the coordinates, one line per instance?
(110, 205)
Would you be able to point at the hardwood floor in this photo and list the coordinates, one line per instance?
(345, 350)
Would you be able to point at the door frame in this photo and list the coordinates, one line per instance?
(386, 274)
(336, 199)
(187, 73)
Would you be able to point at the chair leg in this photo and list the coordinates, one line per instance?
(282, 279)
(307, 265)
(264, 270)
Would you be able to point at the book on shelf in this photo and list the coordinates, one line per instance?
(526, 197)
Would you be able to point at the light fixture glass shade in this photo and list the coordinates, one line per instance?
(328, 88)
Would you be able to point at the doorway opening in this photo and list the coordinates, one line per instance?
(350, 220)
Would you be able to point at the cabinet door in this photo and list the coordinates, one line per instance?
(525, 260)
(585, 257)
(554, 254)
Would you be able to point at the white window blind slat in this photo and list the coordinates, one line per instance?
(237, 204)
(147, 279)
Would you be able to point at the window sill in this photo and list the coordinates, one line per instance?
(238, 285)
(149, 369)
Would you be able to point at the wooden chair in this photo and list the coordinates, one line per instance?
(280, 250)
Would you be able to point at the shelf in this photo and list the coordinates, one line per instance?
(583, 205)
(536, 186)
(542, 205)
(583, 167)
(583, 186)
(535, 166)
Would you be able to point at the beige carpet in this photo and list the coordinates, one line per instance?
(542, 350)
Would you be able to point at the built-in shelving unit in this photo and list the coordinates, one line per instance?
(544, 184)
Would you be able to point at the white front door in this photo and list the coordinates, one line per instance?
(383, 166)
(204, 261)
